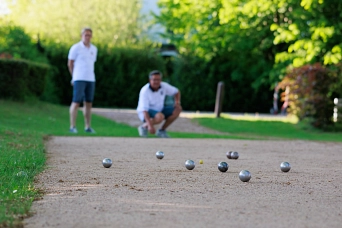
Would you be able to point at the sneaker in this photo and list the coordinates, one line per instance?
(142, 131)
(89, 130)
(73, 130)
(162, 134)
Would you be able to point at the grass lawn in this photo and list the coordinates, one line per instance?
(268, 129)
(24, 126)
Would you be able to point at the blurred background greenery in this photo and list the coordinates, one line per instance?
(250, 45)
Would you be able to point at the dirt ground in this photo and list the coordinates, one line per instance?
(141, 191)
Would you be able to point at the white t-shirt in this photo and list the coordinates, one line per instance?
(149, 99)
(84, 60)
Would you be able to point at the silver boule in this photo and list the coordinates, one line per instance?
(107, 163)
(223, 166)
(160, 154)
(228, 154)
(234, 155)
(245, 175)
(189, 164)
(285, 167)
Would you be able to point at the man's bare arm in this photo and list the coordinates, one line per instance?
(150, 126)
(177, 98)
(147, 118)
(71, 66)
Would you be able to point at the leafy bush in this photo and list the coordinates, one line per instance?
(20, 78)
(15, 42)
(310, 93)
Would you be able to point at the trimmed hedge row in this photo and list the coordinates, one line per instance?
(120, 74)
(197, 79)
(20, 79)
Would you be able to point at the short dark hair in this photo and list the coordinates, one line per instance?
(154, 72)
(86, 29)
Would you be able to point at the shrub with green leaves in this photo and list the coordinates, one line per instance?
(16, 42)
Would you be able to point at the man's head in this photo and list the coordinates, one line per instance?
(86, 35)
(155, 78)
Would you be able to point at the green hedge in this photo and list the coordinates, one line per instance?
(20, 79)
(197, 79)
(120, 74)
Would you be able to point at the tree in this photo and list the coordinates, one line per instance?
(114, 22)
(257, 32)
(314, 34)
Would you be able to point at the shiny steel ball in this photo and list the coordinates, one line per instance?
(234, 155)
(285, 167)
(160, 154)
(107, 162)
(245, 175)
(222, 166)
(228, 154)
(190, 164)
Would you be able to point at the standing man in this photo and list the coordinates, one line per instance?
(151, 109)
(81, 60)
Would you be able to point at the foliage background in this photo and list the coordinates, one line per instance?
(248, 44)
(114, 22)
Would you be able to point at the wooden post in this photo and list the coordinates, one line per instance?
(219, 99)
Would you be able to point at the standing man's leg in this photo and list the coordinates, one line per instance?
(78, 93)
(87, 114)
(88, 103)
(73, 115)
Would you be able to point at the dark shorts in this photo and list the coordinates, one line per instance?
(83, 91)
(167, 111)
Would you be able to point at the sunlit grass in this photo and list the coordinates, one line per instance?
(246, 116)
(268, 129)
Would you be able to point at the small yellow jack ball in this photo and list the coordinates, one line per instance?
(201, 161)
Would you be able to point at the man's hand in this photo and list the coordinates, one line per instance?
(151, 129)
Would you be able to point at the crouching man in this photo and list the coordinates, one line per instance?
(151, 109)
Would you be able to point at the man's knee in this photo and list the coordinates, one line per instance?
(159, 117)
(74, 105)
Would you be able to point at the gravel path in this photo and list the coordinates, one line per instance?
(142, 191)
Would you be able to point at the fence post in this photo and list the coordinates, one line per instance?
(219, 99)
